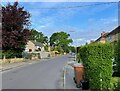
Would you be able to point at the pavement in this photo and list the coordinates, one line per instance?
(69, 82)
(68, 76)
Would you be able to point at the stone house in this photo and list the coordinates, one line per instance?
(33, 46)
(111, 37)
(114, 35)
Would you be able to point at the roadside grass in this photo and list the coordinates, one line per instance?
(115, 83)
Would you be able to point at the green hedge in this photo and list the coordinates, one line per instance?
(11, 54)
(117, 86)
(117, 55)
(97, 60)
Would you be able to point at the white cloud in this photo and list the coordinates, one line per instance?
(115, 20)
(79, 39)
(109, 20)
(94, 29)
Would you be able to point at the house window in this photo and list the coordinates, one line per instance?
(30, 50)
(110, 38)
(39, 49)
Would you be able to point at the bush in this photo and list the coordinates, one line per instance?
(1, 54)
(117, 86)
(31, 55)
(48, 55)
(11, 54)
(27, 55)
(117, 56)
(78, 58)
(57, 53)
(97, 60)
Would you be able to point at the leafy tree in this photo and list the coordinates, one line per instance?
(15, 33)
(38, 36)
(60, 41)
(72, 48)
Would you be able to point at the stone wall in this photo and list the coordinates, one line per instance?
(11, 60)
(44, 54)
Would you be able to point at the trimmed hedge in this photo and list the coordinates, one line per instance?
(117, 86)
(117, 55)
(11, 54)
(97, 60)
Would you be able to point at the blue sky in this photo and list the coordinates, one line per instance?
(86, 22)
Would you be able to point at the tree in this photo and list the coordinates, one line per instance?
(38, 36)
(72, 48)
(15, 33)
(60, 41)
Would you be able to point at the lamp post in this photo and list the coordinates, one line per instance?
(75, 46)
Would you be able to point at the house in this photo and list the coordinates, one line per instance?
(111, 37)
(102, 38)
(114, 35)
(33, 46)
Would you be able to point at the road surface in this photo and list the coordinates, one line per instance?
(42, 75)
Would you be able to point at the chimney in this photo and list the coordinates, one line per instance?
(103, 33)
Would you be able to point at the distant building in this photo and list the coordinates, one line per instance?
(92, 41)
(111, 37)
(33, 46)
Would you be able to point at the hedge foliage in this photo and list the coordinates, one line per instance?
(117, 86)
(97, 60)
(117, 55)
(10, 54)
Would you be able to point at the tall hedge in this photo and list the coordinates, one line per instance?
(97, 60)
(117, 55)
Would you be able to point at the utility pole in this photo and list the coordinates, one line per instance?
(75, 46)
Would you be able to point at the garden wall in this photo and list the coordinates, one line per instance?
(11, 60)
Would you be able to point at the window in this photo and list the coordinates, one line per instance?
(30, 50)
(110, 38)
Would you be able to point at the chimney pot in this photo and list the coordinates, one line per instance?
(103, 33)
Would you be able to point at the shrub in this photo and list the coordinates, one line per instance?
(48, 55)
(11, 54)
(1, 54)
(27, 55)
(117, 86)
(117, 56)
(97, 60)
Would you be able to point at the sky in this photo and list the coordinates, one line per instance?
(82, 23)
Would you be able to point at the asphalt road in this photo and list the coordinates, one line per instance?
(42, 75)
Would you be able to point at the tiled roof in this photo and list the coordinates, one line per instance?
(37, 43)
(115, 31)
